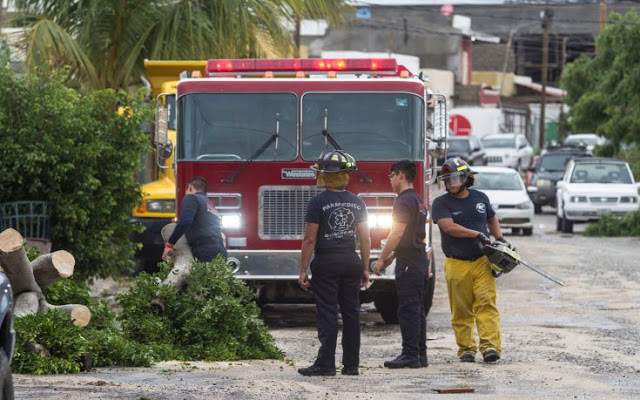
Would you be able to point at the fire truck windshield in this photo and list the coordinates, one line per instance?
(231, 126)
(369, 126)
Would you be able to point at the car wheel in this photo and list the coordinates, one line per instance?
(567, 225)
(527, 231)
(515, 231)
(537, 208)
(558, 223)
(387, 305)
(6, 379)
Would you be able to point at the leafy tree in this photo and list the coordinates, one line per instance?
(105, 42)
(604, 91)
(76, 152)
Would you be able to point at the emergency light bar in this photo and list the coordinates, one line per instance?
(307, 65)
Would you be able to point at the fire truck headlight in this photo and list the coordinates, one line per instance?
(231, 221)
(161, 205)
(380, 221)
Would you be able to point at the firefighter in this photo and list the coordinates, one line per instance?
(333, 220)
(200, 222)
(465, 218)
(407, 242)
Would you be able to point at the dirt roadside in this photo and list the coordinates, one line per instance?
(578, 341)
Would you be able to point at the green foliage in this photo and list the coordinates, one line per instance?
(67, 291)
(105, 42)
(77, 153)
(55, 331)
(604, 91)
(216, 319)
(629, 225)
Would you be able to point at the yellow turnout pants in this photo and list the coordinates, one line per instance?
(472, 299)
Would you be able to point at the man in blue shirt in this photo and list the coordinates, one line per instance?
(200, 222)
(465, 218)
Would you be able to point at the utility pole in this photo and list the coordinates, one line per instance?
(563, 62)
(546, 16)
(603, 14)
(504, 67)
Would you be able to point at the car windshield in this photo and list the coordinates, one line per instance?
(499, 142)
(459, 146)
(232, 126)
(369, 126)
(554, 162)
(498, 181)
(600, 173)
(584, 140)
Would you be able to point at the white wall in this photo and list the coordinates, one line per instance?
(484, 121)
(441, 81)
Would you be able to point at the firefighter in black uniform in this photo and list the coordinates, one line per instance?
(407, 241)
(333, 220)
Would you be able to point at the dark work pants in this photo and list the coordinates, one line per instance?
(335, 281)
(411, 281)
(208, 252)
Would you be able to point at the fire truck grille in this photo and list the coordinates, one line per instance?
(282, 210)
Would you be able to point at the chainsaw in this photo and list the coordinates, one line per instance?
(503, 260)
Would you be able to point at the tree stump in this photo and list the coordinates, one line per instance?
(27, 278)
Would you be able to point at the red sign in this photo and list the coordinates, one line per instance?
(460, 125)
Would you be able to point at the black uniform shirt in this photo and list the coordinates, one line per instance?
(472, 212)
(337, 215)
(408, 209)
(199, 221)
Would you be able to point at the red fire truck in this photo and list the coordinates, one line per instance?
(253, 127)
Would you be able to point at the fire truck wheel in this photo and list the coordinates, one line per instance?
(387, 305)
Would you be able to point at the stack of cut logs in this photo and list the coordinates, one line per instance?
(27, 278)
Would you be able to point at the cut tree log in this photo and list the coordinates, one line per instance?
(27, 303)
(50, 268)
(27, 277)
(182, 258)
(80, 314)
(34, 302)
(15, 263)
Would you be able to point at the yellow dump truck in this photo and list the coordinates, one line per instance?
(158, 204)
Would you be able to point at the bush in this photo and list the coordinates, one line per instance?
(629, 225)
(216, 319)
(75, 151)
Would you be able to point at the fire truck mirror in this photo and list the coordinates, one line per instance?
(440, 119)
(162, 119)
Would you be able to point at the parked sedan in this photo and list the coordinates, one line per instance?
(508, 197)
(593, 187)
(508, 150)
(468, 148)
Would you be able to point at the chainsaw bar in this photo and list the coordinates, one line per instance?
(541, 272)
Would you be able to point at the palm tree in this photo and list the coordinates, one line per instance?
(104, 42)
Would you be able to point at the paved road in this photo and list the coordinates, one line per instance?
(578, 341)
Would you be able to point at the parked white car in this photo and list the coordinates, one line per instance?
(593, 187)
(508, 150)
(508, 197)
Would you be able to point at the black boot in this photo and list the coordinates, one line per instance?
(424, 361)
(314, 370)
(403, 361)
